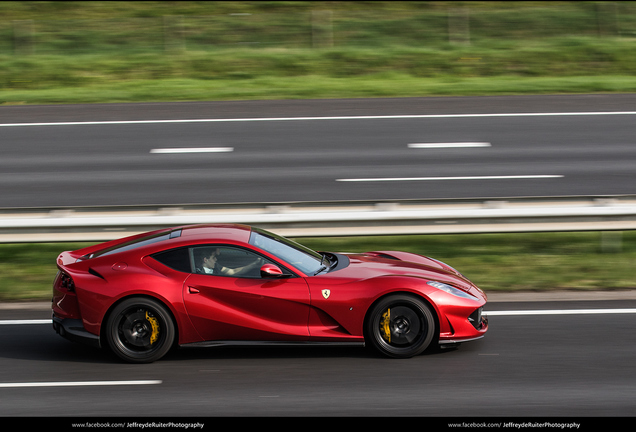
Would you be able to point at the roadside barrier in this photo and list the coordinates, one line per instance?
(312, 219)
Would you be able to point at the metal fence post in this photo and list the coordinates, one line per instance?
(607, 19)
(322, 29)
(459, 26)
(23, 37)
(173, 39)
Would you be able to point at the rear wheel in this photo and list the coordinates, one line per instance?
(401, 326)
(140, 330)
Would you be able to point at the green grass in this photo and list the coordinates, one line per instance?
(91, 52)
(586, 65)
(311, 87)
(495, 262)
(27, 270)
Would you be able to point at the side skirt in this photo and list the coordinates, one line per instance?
(268, 343)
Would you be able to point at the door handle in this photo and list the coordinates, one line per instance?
(192, 290)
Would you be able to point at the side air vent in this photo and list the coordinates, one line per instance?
(95, 273)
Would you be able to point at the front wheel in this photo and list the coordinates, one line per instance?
(401, 326)
(140, 330)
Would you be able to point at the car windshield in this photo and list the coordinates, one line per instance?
(301, 257)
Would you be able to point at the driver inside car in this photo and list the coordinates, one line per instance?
(210, 264)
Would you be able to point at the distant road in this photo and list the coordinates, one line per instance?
(317, 150)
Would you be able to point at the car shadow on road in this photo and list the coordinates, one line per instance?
(281, 352)
(39, 343)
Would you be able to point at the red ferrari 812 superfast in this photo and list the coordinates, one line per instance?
(210, 285)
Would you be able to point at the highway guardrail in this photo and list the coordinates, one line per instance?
(300, 219)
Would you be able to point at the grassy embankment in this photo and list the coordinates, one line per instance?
(89, 52)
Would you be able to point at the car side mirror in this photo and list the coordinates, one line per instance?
(271, 271)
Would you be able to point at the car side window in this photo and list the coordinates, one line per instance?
(227, 261)
(177, 259)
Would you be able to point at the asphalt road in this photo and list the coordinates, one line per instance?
(321, 150)
(564, 363)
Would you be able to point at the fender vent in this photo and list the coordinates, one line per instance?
(95, 273)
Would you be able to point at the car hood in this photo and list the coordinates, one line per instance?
(393, 263)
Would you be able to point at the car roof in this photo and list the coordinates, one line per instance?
(173, 237)
(214, 232)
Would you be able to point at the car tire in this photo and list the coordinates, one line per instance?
(140, 330)
(401, 326)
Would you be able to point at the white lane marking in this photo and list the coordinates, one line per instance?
(561, 312)
(386, 179)
(21, 322)
(377, 117)
(193, 150)
(448, 145)
(490, 313)
(79, 383)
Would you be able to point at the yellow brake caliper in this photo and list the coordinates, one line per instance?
(155, 328)
(386, 331)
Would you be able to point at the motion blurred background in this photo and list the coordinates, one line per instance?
(81, 52)
(56, 52)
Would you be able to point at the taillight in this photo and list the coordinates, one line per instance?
(67, 282)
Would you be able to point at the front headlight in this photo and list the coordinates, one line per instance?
(450, 289)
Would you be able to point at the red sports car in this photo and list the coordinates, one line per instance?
(212, 285)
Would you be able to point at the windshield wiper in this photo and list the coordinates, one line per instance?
(324, 267)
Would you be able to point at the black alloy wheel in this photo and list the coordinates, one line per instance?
(401, 326)
(140, 330)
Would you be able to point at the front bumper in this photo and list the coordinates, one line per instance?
(73, 330)
(467, 329)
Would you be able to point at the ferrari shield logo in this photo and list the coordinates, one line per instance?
(325, 293)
